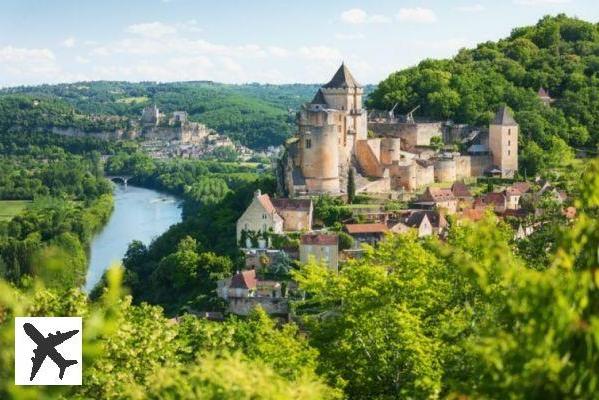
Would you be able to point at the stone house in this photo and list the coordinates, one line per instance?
(244, 291)
(427, 222)
(260, 216)
(320, 247)
(296, 213)
(496, 201)
(438, 198)
(366, 233)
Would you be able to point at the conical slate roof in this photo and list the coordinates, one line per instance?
(503, 117)
(342, 79)
(319, 98)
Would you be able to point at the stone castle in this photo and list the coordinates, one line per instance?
(335, 135)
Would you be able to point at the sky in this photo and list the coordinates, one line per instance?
(235, 41)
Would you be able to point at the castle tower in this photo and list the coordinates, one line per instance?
(344, 93)
(503, 142)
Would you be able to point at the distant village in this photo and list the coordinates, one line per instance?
(388, 160)
(165, 136)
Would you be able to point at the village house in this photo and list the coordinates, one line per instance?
(366, 233)
(320, 247)
(496, 201)
(427, 222)
(438, 198)
(296, 213)
(275, 215)
(245, 291)
(260, 216)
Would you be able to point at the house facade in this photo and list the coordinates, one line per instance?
(260, 216)
(320, 247)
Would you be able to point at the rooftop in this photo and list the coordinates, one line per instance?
(366, 228)
(292, 204)
(320, 239)
(341, 80)
(434, 218)
(437, 194)
(244, 280)
(503, 117)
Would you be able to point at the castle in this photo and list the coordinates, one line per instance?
(335, 135)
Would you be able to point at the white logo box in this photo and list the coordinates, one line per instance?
(68, 353)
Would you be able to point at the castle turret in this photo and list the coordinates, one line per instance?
(503, 142)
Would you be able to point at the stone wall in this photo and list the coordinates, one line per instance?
(367, 158)
(243, 306)
(478, 164)
(463, 170)
(106, 135)
(296, 220)
(445, 170)
(412, 134)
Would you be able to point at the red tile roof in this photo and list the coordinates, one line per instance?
(437, 194)
(492, 198)
(522, 187)
(264, 199)
(292, 204)
(459, 189)
(366, 228)
(320, 239)
(244, 280)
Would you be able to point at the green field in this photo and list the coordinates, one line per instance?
(10, 208)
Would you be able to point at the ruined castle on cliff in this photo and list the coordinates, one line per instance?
(386, 154)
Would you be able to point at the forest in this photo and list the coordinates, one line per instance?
(559, 54)
(68, 200)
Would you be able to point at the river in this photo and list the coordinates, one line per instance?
(139, 214)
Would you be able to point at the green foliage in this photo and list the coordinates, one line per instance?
(558, 53)
(331, 210)
(154, 358)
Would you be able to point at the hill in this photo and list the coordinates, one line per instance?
(560, 54)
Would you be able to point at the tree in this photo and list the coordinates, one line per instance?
(351, 186)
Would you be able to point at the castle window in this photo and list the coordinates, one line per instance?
(508, 152)
(509, 142)
(338, 128)
(509, 131)
(263, 216)
(308, 143)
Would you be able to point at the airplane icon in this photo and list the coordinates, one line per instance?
(46, 347)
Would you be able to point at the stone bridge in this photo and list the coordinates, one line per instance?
(122, 178)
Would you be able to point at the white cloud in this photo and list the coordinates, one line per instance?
(82, 60)
(417, 14)
(25, 65)
(541, 2)
(152, 29)
(323, 53)
(471, 8)
(278, 51)
(359, 16)
(349, 36)
(69, 42)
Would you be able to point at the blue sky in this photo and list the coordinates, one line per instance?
(248, 41)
